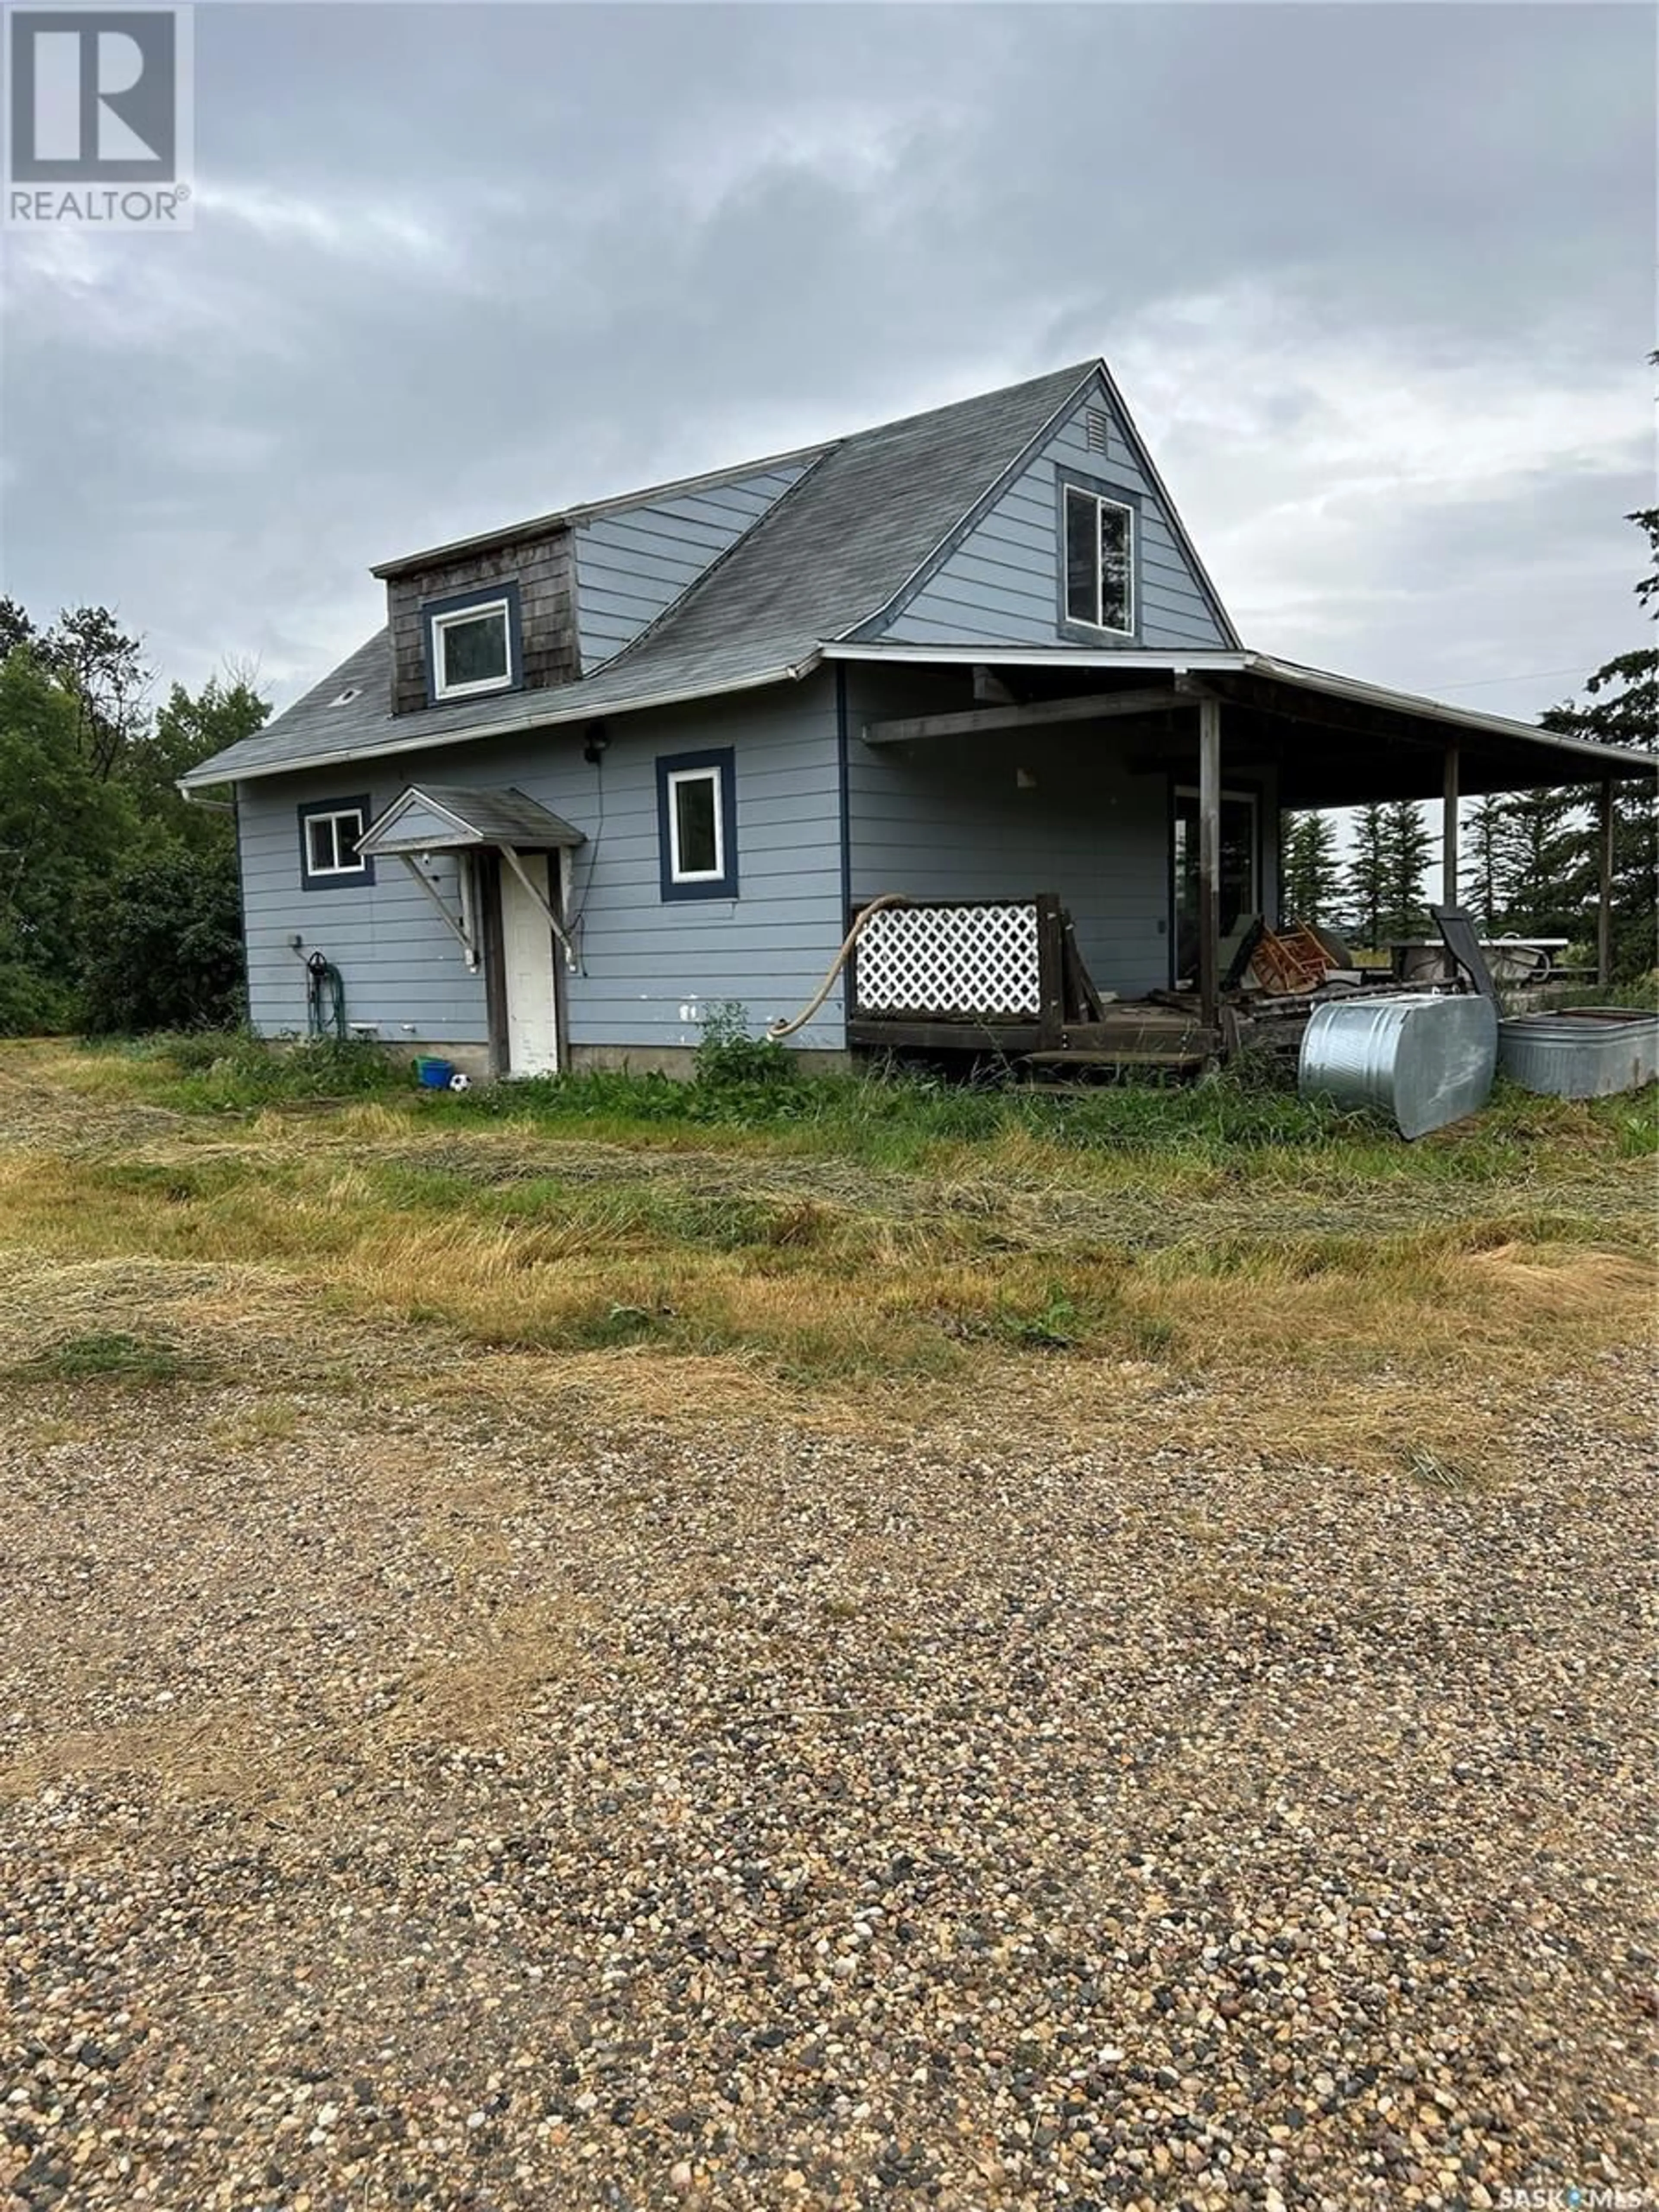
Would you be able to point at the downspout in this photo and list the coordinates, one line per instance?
(846, 796)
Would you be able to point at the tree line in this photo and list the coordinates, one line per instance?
(119, 908)
(1527, 862)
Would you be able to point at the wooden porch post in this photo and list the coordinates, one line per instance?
(1448, 831)
(1209, 862)
(1604, 826)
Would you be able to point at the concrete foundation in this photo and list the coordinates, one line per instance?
(681, 1060)
(677, 1061)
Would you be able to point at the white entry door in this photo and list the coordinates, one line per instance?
(527, 954)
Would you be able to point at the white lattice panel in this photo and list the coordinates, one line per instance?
(924, 960)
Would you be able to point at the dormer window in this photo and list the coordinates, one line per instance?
(472, 642)
(1100, 562)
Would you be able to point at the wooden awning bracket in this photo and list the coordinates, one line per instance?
(459, 929)
(553, 921)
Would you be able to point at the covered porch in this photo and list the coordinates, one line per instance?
(1179, 767)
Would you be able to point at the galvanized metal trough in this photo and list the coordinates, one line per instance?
(1422, 1058)
(1580, 1052)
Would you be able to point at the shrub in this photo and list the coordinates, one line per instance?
(729, 1059)
(33, 1005)
(168, 946)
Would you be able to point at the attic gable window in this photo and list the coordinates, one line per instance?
(473, 643)
(1100, 562)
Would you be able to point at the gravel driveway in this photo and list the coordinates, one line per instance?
(434, 1803)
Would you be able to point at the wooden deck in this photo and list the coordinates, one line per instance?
(1137, 1036)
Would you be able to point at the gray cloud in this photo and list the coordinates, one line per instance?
(1377, 281)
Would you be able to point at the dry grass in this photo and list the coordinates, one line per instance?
(234, 1754)
(1094, 1291)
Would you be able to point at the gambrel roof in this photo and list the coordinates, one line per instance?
(869, 516)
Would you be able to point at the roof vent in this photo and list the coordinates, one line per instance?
(352, 691)
(1097, 428)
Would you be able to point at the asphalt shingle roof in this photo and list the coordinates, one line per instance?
(829, 555)
(489, 815)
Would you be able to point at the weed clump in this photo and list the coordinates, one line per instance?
(728, 1059)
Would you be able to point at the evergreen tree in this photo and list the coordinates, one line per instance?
(1545, 879)
(1406, 845)
(1622, 708)
(1313, 876)
(1485, 862)
(1367, 884)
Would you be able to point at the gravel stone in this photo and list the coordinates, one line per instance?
(448, 1804)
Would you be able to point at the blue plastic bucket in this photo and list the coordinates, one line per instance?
(433, 1074)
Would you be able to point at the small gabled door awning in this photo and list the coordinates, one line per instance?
(451, 818)
(447, 818)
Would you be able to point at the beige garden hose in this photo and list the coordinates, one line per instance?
(775, 1030)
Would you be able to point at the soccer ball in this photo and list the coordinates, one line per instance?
(460, 1080)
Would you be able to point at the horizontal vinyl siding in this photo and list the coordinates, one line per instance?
(653, 967)
(1001, 584)
(650, 969)
(631, 565)
(945, 818)
(398, 961)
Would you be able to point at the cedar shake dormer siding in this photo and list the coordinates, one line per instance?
(542, 569)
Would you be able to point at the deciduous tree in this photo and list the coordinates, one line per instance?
(188, 729)
(62, 832)
(104, 671)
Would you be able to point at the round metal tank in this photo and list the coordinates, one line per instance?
(1580, 1052)
(1421, 1058)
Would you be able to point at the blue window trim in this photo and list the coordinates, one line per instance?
(458, 603)
(1119, 496)
(725, 886)
(362, 876)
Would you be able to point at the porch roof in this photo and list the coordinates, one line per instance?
(1332, 740)
(447, 817)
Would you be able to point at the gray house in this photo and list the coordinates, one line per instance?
(604, 770)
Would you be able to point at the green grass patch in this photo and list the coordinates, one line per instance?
(234, 1071)
(1234, 1126)
(111, 1357)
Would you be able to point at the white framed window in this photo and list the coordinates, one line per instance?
(331, 831)
(696, 854)
(1100, 562)
(697, 824)
(471, 649)
(472, 641)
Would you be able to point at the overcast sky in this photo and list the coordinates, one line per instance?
(1377, 283)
